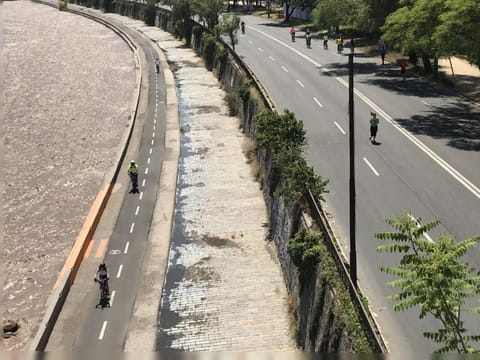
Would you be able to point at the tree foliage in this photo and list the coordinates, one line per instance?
(181, 15)
(284, 137)
(228, 26)
(333, 13)
(434, 277)
(208, 11)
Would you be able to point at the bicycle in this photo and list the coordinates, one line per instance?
(104, 293)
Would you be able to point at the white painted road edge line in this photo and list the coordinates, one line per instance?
(284, 69)
(119, 271)
(300, 83)
(112, 296)
(126, 247)
(102, 331)
(340, 128)
(318, 102)
(447, 167)
(137, 210)
(418, 225)
(132, 227)
(371, 166)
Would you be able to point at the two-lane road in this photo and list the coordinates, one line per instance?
(419, 166)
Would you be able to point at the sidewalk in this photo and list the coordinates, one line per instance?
(466, 77)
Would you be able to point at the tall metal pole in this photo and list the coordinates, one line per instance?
(353, 246)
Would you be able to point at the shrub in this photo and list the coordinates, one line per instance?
(232, 103)
(244, 91)
(304, 250)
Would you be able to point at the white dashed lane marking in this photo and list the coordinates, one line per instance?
(148, 161)
(150, 151)
(260, 49)
(300, 83)
(102, 331)
(143, 183)
(318, 102)
(137, 210)
(146, 171)
(119, 272)
(132, 227)
(112, 296)
(141, 195)
(371, 166)
(339, 128)
(126, 247)
(271, 58)
(284, 69)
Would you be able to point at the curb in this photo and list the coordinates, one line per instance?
(72, 264)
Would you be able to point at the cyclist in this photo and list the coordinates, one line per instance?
(308, 38)
(102, 277)
(242, 25)
(325, 42)
(292, 33)
(133, 173)
(157, 65)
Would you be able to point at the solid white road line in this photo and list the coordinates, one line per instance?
(132, 227)
(137, 210)
(260, 49)
(146, 171)
(126, 247)
(271, 58)
(299, 83)
(112, 296)
(143, 183)
(318, 102)
(141, 195)
(371, 166)
(340, 128)
(284, 69)
(119, 271)
(102, 331)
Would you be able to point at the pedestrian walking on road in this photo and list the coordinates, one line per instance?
(383, 52)
(373, 127)
(403, 69)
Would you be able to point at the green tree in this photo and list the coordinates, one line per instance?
(459, 30)
(208, 11)
(149, 13)
(412, 27)
(181, 15)
(378, 10)
(333, 13)
(228, 26)
(433, 276)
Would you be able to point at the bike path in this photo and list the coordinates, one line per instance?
(123, 231)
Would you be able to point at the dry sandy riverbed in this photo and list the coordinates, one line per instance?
(67, 87)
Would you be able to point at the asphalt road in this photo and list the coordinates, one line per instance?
(426, 162)
(84, 324)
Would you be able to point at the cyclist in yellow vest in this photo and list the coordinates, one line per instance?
(133, 173)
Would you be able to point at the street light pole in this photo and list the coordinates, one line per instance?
(353, 246)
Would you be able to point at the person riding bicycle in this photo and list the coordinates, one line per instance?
(325, 41)
(157, 65)
(102, 277)
(242, 25)
(292, 33)
(133, 173)
(340, 44)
